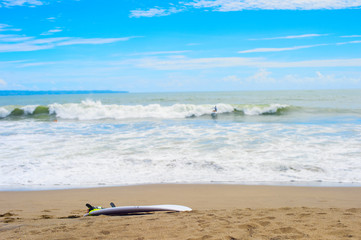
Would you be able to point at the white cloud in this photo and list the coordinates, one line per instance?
(154, 12)
(353, 62)
(2, 82)
(256, 50)
(55, 30)
(350, 42)
(149, 13)
(74, 41)
(48, 40)
(5, 27)
(13, 38)
(52, 31)
(15, 43)
(31, 3)
(239, 5)
(318, 78)
(35, 64)
(161, 53)
(351, 36)
(261, 76)
(226, 62)
(294, 36)
(190, 64)
(231, 78)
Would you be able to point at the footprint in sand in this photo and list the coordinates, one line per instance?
(46, 217)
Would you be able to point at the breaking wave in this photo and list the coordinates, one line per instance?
(95, 110)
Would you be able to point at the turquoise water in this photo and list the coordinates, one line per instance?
(87, 140)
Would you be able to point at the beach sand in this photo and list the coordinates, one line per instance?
(219, 212)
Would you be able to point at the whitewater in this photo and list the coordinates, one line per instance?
(90, 140)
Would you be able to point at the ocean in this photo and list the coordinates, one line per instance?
(65, 141)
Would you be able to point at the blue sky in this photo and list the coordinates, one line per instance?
(188, 45)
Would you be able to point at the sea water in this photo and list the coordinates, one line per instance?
(271, 137)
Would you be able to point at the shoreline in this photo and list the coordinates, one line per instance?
(220, 211)
(251, 184)
(217, 195)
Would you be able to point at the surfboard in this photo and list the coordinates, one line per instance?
(116, 211)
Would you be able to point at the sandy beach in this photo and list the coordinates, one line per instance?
(219, 212)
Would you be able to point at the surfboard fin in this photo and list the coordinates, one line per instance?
(112, 204)
(90, 207)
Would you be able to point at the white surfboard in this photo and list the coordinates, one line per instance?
(114, 211)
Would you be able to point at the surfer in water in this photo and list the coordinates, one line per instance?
(214, 112)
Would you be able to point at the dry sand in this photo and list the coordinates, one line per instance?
(219, 212)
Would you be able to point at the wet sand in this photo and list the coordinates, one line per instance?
(219, 212)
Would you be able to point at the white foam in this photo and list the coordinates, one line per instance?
(259, 110)
(4, 112)
(29, 109)
(95, 110)
(71, 154)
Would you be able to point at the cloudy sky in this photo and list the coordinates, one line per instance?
(186, 45)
